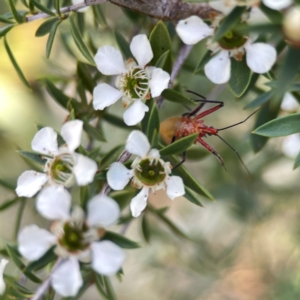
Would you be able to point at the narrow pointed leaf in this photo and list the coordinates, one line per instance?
(79, 42)
(93, 132)
(19, 18)
(280, 127)
(7, 185)
(15, 64)
(99, 15)
(260, 100)
(45, 27)
(240, 77)
(189, 195)
(42, 262)
(43, 8)
(153, 124)
(51, 38)
(9, 203)
(180, 145)
(4, 30)
(203, 61)
(6, 20)
(120, 240)
(145, 228)
(297, 162)
(229, 22)
(111, 156)
(162, 60)
(100, 286)
(176, 97)
(189, 180)
(123, 45)
(161, 42)
(38, 158)
(273, 15)
(85, 76)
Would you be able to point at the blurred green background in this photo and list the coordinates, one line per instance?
(244, 246)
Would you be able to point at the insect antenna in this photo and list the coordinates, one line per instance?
(238, 122)
(238, 155)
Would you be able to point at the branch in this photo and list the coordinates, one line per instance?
(168, 10)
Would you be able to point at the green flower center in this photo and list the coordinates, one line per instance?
(61, 168)
(149, 173)
(73, 239)
(232, 40)
(135, 84)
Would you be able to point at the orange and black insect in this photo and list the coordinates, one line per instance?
(189, 123)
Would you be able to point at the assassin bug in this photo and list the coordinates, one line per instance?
(191, 122)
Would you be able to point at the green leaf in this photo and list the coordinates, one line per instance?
(273, 15)
(280, 127)
(42, 7)
(260, 100)
(189, 179)
(79, 42)
(4, 30)
(13, 254)
(168, 222)
(7, 185)
(297, 162)
(120, 240)
(57, 6)
(38, 158)
(100, 286)
(287, 73)
(153, 125)
(240, 77)
(93, 132)
(51, 38)
(6, 20)
(145, 121)
(162, 60)
(15, 64)
(189, 195)
(10, 203)
(145, 228)
(203, 61)
(56, 94)
(19, 18)
(85, 76)
(45, 27)
(116, 121)
(99, 16)
(180, 145)
(176, 97)
(123, 197)
(123, 45)
(109, 289)
(229, 22)
(161, 42)
(266, 114)
(42, 262)
(110, 157)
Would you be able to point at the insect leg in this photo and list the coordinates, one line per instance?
(182, 161)
(213, 151)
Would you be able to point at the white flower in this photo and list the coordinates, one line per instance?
(149, 172)
(63, 164)
(291, 145)
(135, 82)
(3, 263)
(76, 238)
(289, 103)
(82, 10)
(274, 4)
(260, 57)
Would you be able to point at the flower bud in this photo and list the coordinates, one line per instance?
(291, 26)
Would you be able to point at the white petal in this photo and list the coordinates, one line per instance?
(118, 176)
(137, 143)
(66, 279)
(3, 263)
(54, 203)
(45, 141)
(102, 211)
(84, 169)
(158, 82)
(34, 242)
(135, 113)
(82, 10)
(109, 61)
(260, 57)
(175, 187)
(192, 30)
(291, 145)
(277, 4)
(154, 153)
(107, 257)
(218, 68)
(139, 202)
(105, 95)
(141, 49)
(289, 103)
(71, 133)
(29, 183)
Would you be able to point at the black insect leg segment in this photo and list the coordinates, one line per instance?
(182, 161)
